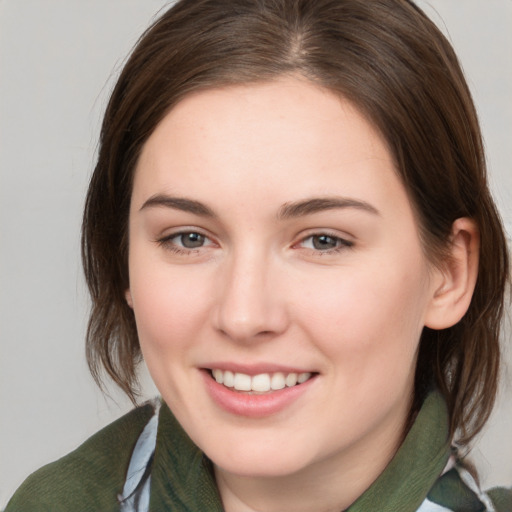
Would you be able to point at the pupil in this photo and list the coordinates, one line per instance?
(323, 242)
(192, 240)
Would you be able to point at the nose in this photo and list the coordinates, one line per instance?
(251, 301)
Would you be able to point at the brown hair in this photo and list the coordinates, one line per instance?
(393, 63)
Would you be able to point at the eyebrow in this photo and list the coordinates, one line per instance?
(178, 203)
(287, 211)
(319, 204)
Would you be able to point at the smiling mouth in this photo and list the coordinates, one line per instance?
(261, 383)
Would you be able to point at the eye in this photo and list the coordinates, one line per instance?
(189, 240)
(185, 241)
(325, 243)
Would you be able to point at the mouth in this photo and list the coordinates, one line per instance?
(255, 394)
(262, 383)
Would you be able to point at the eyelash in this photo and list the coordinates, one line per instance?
(341, 243)
(168, 244)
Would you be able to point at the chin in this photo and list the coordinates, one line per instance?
(268, 469)
(256, 462)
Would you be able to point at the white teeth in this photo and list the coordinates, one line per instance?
(229, 379)
(242, 382)
(291, 380)
(218, 375)
(261, 383)
(303, 377)
(277, 381)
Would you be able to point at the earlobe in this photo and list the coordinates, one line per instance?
(457, 278)
(128, 297)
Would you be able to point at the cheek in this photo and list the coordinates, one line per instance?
(367, 318)
(169, 307)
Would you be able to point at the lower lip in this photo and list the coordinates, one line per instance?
(253, 406)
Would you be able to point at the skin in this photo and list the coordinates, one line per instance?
(260, 291)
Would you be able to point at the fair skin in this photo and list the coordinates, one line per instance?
(270, 235)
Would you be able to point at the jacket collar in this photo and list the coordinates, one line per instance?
(183, 479)
(419, 461)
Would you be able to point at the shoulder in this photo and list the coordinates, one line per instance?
(90, 477)
(457, 489)
(501, 498)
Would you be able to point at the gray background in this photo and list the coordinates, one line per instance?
(58, 59)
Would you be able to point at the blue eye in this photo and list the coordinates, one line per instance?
(325, 243)
(185, 241)
(190, 240)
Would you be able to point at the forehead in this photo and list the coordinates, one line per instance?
(287, 139)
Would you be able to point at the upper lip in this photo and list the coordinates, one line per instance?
(255, 368)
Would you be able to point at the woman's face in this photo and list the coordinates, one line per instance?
(273, 248)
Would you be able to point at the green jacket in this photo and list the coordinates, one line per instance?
(90, 478)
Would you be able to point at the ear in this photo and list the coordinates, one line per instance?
(455, 280)
(128, 297)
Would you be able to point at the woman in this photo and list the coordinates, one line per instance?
(289, 221)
